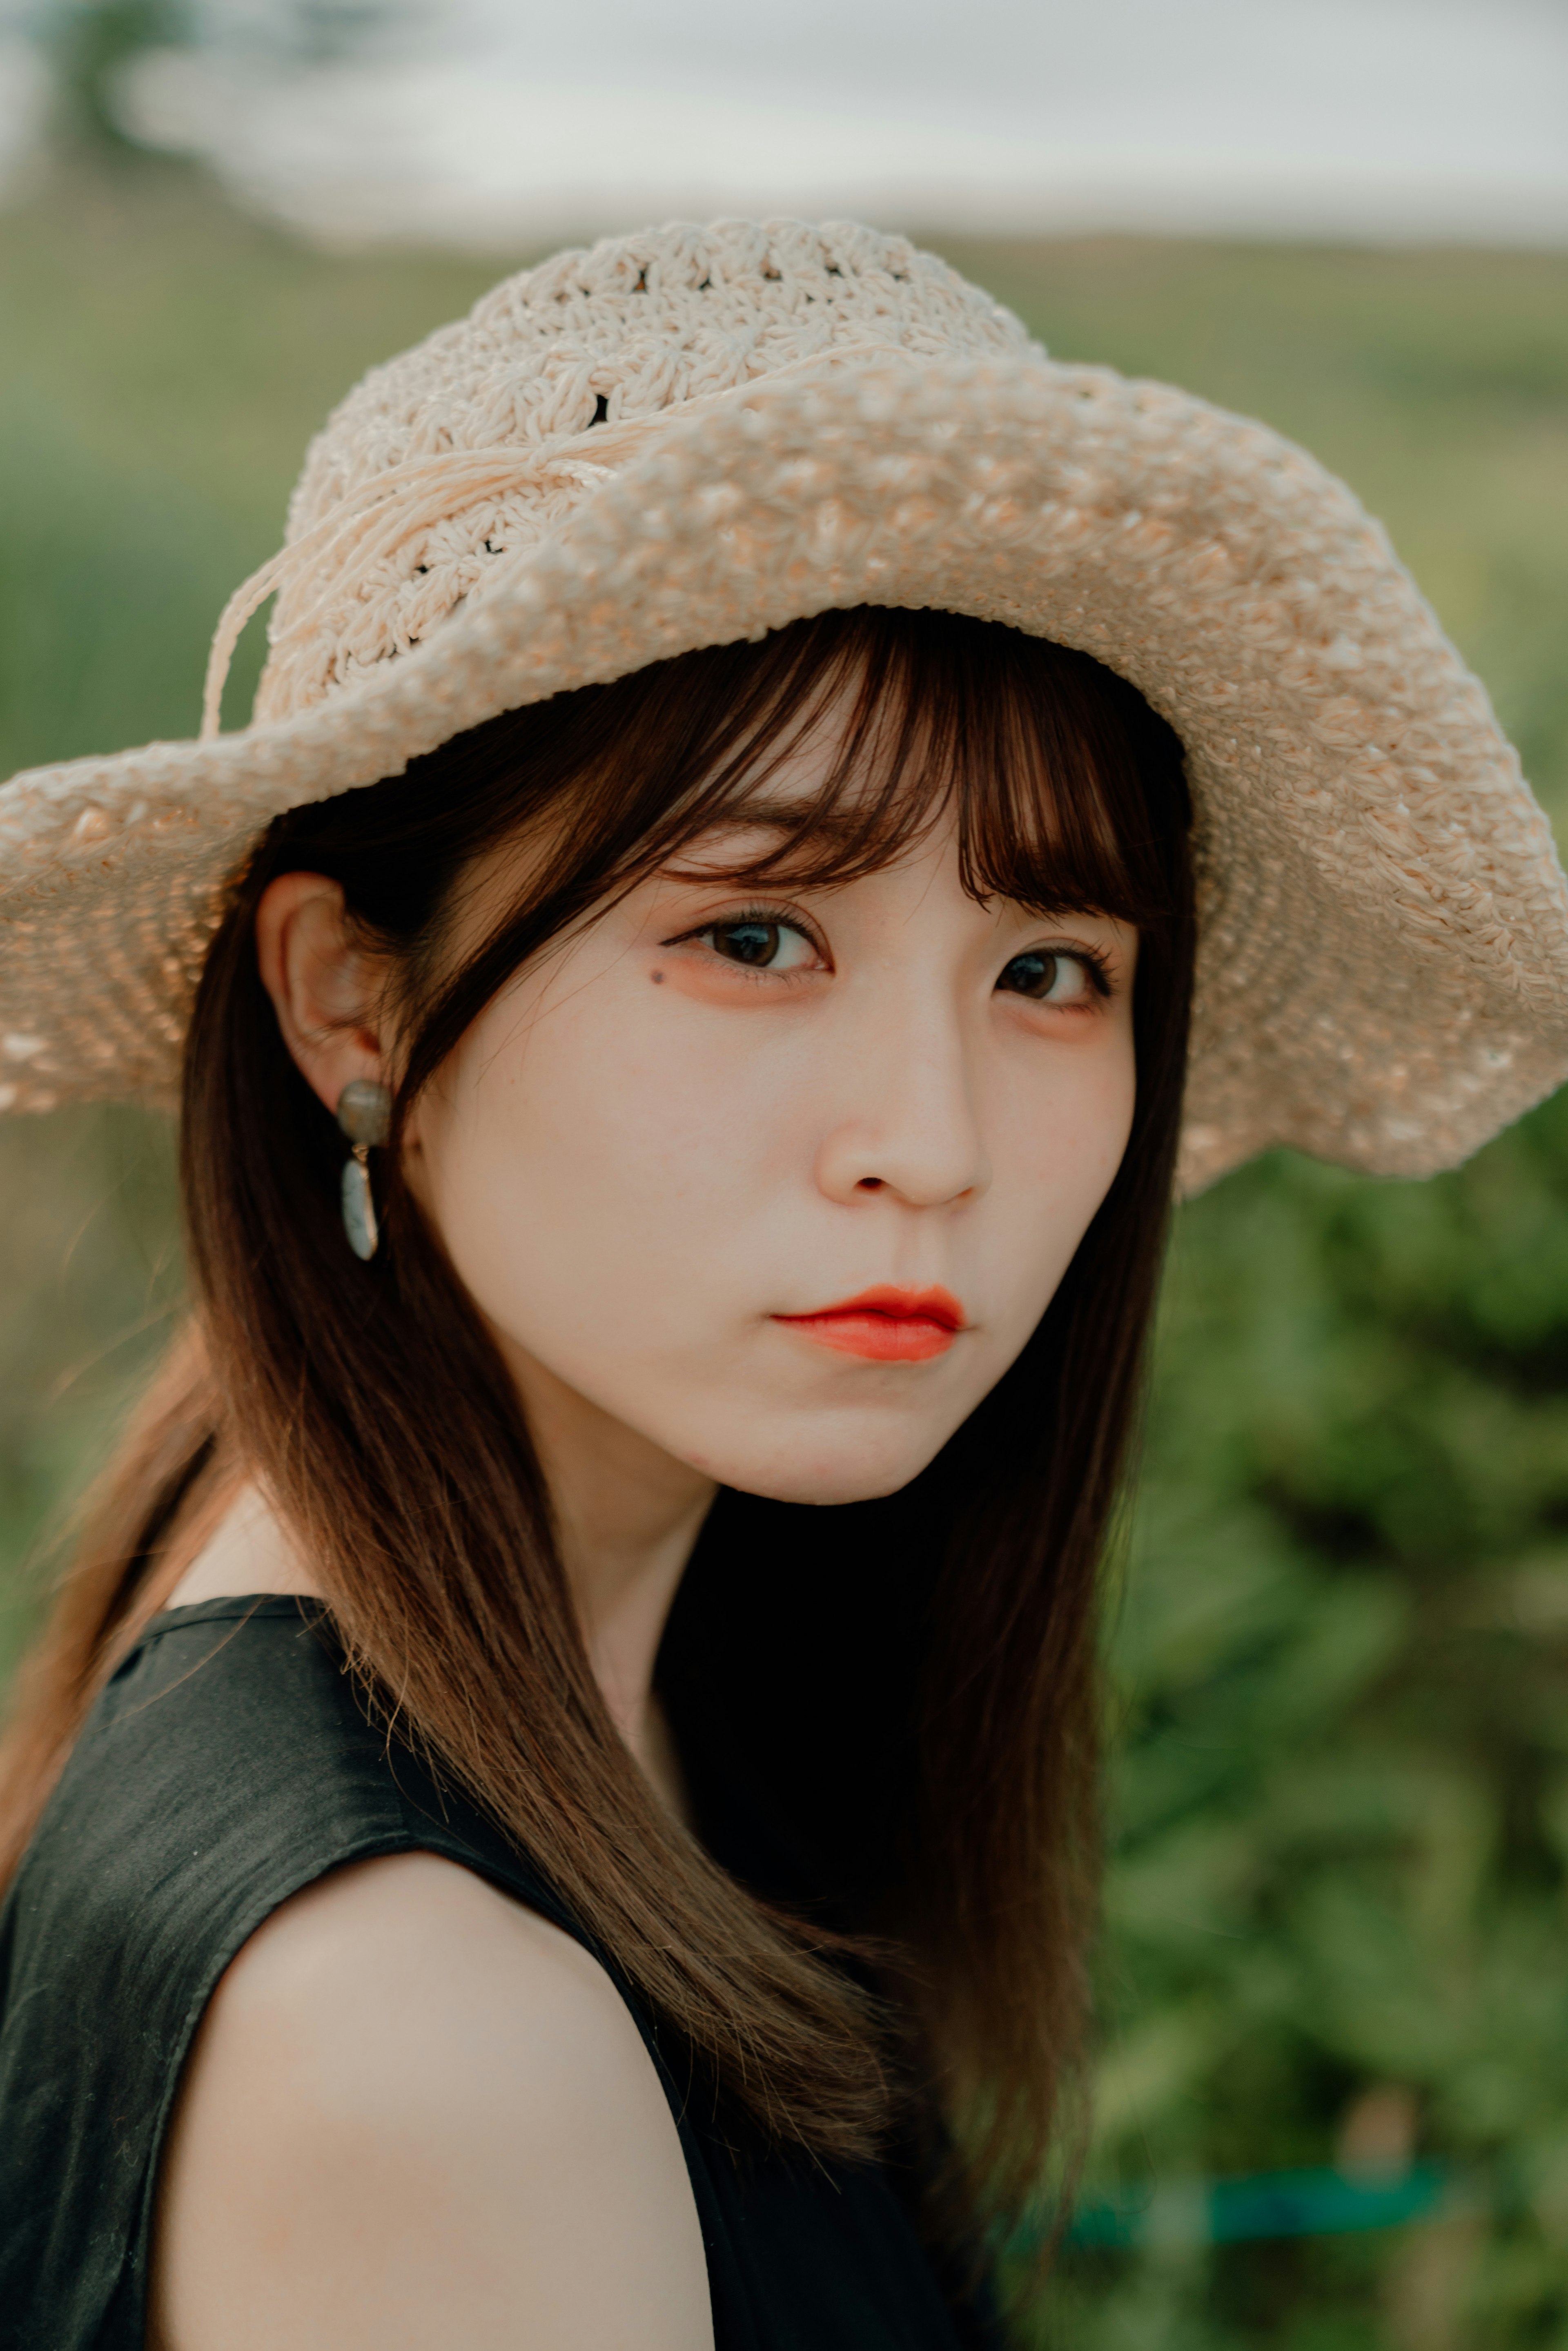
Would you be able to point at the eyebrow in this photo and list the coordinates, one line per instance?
(777, 816)
(701, 858)
(790, 819)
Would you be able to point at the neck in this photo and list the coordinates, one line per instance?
(627, 1515)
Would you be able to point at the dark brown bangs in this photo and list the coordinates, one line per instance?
(1046, 756)
(1042, 751)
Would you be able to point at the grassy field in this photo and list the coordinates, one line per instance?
(1341, 1798)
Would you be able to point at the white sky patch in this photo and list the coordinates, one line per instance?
(495, 123)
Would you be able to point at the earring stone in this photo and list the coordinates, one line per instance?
(364, 1115)
(364, 1112)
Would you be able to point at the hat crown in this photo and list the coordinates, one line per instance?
(635, 324)
(613, 335)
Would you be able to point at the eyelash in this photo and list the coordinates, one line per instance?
(1095, 963)
(780, 918)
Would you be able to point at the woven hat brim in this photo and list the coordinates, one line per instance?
(1384, 955)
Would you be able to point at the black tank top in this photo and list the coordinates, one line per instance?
(227, 1765)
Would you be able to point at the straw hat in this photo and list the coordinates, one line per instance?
(694, 435)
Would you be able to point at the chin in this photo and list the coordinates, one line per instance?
(860, 1467)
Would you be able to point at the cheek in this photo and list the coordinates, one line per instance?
(1059, 1140)
(597, 1175)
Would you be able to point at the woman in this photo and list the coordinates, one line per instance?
(557, 1806)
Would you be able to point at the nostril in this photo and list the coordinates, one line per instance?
(869, 1184)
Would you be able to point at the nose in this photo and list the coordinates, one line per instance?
(909, 1126)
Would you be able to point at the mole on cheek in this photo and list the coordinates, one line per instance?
(657, 978)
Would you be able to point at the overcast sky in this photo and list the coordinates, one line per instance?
(492, 118)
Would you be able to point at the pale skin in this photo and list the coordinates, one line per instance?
(416, 2113)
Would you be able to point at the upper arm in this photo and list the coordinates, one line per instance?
(418, 2113)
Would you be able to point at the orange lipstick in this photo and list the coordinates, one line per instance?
(885, 1325)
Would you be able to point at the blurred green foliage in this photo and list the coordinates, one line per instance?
(1341, 1802)
(92, 43)
(1343, 1795)
(91, 46)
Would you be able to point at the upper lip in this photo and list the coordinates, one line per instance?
(933, 1305)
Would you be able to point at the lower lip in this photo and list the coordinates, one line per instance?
(881, 1338)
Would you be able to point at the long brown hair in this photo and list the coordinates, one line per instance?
(905, 1689)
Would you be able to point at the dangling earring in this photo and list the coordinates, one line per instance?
(364, 1113)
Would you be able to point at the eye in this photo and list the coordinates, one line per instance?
(761, 942)
(1047, 978)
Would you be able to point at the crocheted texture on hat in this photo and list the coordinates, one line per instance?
(800, 418)
(478, 443)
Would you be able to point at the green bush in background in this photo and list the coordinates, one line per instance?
(1341, 1806)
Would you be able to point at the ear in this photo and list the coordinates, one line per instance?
(323, 987)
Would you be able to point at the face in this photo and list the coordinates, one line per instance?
(778, 1180)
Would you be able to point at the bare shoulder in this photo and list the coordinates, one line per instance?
(243, 1547)
(417, 2113)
